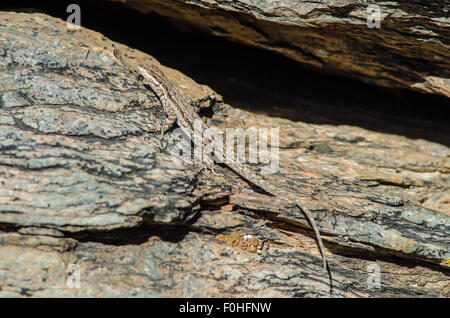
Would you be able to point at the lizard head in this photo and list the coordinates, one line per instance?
(156, 78)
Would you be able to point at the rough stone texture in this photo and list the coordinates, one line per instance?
(410, 50)
(85, 180)
(59, 167)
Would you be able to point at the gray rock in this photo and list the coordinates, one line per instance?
(88, 187)
(409, 50)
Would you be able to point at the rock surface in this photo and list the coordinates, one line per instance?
(409, 50)
(86, 180)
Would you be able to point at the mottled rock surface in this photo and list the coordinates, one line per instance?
(86, 180)
(409, 50)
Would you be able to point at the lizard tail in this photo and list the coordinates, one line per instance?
(317, 233)
(326, 266)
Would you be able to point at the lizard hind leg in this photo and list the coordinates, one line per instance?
(168, 124)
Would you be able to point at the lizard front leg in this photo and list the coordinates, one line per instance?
(134, 69)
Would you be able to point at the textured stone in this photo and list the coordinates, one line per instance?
(410, 50)
(76, 146)
(86, 180)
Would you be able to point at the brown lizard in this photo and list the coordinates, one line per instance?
(178, 108)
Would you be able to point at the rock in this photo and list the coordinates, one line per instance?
(40, 231)
(409, 50)
(88, 186)
(77, 144)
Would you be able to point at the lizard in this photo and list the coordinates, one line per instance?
(178, 109)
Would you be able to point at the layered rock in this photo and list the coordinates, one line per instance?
(409, 50)
(86, 180)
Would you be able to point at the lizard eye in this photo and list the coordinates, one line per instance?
(156, 71)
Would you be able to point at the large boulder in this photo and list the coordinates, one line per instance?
(88, 184)
(410, 49)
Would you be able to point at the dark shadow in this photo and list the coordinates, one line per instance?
(262, 81)
(134, 236)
